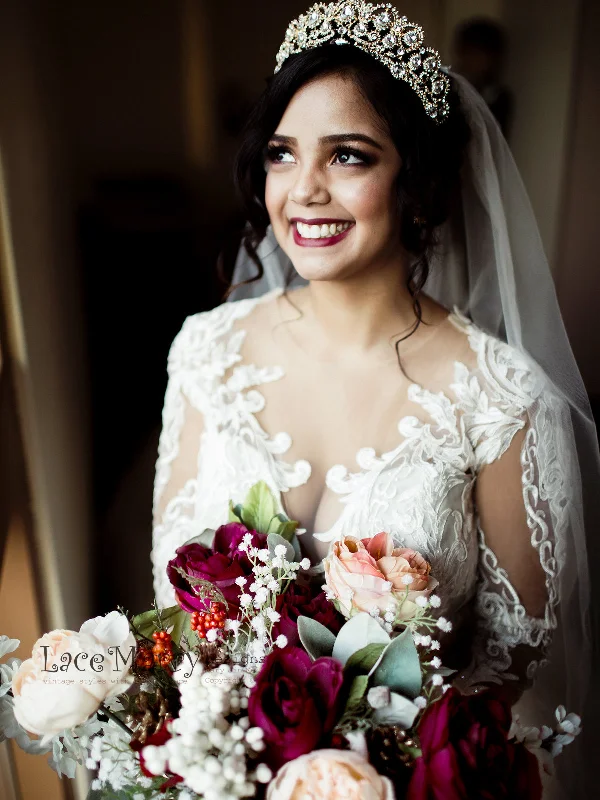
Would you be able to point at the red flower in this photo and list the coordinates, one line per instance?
(295, 701)
(466, 753)
(219, 565)
(302, 601)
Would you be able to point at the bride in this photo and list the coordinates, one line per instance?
(395, 359)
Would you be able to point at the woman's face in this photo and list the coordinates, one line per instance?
(331, 178)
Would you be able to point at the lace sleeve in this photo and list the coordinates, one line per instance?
(521, 504)
(178, 451)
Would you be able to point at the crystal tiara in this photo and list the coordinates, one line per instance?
(382, 32)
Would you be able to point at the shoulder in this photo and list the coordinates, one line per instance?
(508, 376)
(211, 337)
(500, 391)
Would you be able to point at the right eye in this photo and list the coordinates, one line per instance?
(279, 155)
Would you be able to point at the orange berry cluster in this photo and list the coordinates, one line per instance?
(163, 648)
(145, 657)
(203, 621)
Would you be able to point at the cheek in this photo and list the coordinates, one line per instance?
(276, 193)
(371, 200)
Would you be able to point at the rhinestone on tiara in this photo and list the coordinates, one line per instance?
(382, 32)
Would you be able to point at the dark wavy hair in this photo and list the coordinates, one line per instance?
(431, 153)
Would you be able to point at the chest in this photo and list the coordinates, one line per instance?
(328, 475)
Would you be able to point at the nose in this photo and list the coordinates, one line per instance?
(309, 186)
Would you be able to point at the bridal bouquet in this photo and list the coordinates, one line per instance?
(262, 682)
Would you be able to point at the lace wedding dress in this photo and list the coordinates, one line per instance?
(497, 403)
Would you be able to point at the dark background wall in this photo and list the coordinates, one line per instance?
(143, 103)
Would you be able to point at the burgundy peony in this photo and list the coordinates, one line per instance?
(229, 537)
(220, 565)
(303, 601)
(295, 701)
(466, 753)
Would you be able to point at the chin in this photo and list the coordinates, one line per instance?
(322, 272)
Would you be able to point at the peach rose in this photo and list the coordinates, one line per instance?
(352, 576)
(372, 573)
(335, 774)
(70, 674)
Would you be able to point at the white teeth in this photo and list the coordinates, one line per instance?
(321, 231)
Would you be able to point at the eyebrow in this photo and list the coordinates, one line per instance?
(336, 138)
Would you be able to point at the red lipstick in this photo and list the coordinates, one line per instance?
(325, 241)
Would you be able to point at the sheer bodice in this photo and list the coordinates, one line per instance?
(493, 425)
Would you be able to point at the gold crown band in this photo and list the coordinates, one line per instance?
(380, 31)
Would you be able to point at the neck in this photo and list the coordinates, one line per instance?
(360, 314)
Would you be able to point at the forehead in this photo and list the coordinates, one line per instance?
(330, 104)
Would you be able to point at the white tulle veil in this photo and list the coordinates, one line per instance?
(491, 264)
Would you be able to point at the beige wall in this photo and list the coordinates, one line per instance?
(543, 36)
(579, 251)
(45, 314)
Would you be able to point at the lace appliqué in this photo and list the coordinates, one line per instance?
(421, 491)
(515, 399)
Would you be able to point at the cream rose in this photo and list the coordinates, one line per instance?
(363, 574)
(70, 674)
(334, 774)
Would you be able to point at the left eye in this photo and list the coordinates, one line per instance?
(348, 157)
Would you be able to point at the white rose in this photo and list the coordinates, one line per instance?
(70, 674)
(335, 774)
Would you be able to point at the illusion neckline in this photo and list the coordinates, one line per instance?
(336, 471)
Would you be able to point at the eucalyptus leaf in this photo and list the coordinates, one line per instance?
(445, 672)
(316, 639)
(205, 538)
(401, 711)
(274, 539)
(296, 545)
(399, 666)
(358, 687)
(357, 633)
(235, 512)
(364, 660)
(259, 508)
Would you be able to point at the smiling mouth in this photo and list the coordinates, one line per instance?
(320, 233)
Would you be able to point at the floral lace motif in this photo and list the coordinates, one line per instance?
(421, 491)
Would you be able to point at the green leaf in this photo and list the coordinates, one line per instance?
(187, 634)
(399, 666)
(235, 512)
(259, 508)
(174, 616)
(145, 623)
(287, 529)
(357, 633)
(358, 687)
(274, 539)
(364, 660)
(316, 639)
